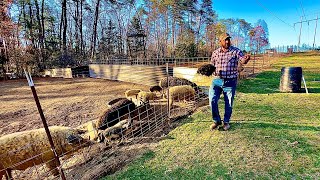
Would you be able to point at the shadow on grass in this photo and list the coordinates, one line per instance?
(314, 90)
(261, 125)
(235, 125)
(139, 169)
(268, 82)
(264, 83)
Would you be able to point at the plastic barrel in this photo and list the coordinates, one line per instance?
(291, 79)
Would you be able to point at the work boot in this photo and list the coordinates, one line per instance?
(226, 126)
(215, 126)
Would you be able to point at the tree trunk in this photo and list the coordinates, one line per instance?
(94, 35)
(39, 24)
(80, 29)
(24, 19)
(167, 32)
(40, 60)
(119, 41)
(4, 60)
(64, 25)
(31, 24)
(60, 30)
(42, 23)
(17, 29)
(156, 38)
(76, 19)
(70, 33)
(173, 36)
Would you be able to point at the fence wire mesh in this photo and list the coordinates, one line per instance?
(137, 115)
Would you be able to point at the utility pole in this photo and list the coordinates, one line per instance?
(315, 33)
(300, 33)
(301, 28)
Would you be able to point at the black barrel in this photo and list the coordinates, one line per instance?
(291, 79)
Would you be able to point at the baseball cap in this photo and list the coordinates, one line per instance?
(224, 36)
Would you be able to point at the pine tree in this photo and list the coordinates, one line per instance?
(108, 42)
(136, 38)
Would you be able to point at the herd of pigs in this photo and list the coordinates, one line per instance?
(21, 150)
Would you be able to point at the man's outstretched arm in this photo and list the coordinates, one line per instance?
(244, 58)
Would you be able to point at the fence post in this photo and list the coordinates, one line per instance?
(168, 103)
(263, 61)
(30, 82)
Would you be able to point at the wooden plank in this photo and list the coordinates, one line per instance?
(59, 72)
(185, 72)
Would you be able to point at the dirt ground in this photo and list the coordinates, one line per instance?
(65, 102)
(71, 102)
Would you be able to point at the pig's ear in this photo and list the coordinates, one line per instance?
(72, 139)
(213, 68)
(81, 131)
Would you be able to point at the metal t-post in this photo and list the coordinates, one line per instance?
(30, 82)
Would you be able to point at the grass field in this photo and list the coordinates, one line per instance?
(273, 135)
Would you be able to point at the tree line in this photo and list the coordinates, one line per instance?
(59, 33)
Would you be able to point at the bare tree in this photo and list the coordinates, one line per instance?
(63, 25)
(94, 35)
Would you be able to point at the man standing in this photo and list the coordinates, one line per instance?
(226, 60)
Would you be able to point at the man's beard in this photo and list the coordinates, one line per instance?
(226, 46)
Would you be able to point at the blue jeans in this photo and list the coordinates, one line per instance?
(228, 87)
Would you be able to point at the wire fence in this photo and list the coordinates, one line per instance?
(84, 151)
(153, 61)
(187, 62)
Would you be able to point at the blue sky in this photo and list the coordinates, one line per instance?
(289, 11)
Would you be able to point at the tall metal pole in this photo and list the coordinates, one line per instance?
(300, 33)
(315, 33)
(53, 149)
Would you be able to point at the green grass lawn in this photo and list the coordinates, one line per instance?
(273, 135)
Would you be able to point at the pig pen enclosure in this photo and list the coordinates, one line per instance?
(113, 114)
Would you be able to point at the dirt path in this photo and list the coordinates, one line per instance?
(65, 102)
